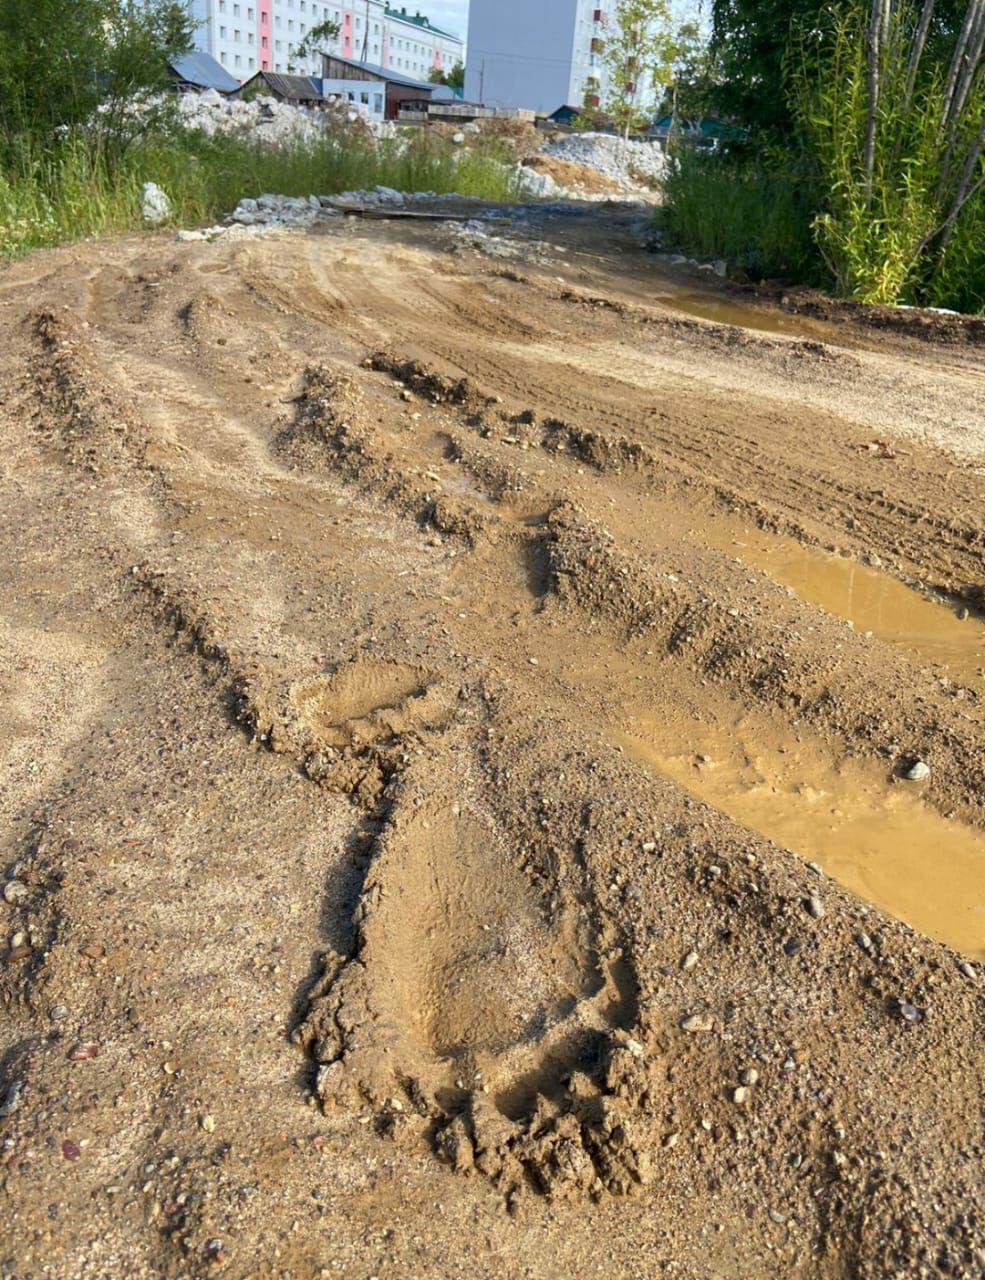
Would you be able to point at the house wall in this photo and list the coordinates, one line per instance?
(533, 55)
(247, 36)
(368, 97)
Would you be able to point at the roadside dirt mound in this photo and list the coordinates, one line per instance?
(462, 757)
(573, 177)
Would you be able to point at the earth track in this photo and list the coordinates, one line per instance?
(339, 895)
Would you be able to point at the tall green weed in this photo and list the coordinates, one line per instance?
(76, 189)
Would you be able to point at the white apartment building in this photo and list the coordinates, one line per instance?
(247, 36)
(540, 55)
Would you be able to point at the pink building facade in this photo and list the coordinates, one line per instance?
(247, 36)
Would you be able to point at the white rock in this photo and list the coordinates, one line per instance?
(155, 207)
(918, 772)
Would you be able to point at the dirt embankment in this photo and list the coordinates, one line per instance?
(369, 611)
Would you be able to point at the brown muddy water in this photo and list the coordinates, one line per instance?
(928, 633)
(872, 833)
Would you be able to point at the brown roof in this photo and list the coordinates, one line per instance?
(293, 88)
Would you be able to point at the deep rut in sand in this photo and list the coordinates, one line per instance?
(589, 685)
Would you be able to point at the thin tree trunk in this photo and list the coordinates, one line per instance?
(972, 60)
(875, 42)
(967, 187)
(957, 61)
(916, 52)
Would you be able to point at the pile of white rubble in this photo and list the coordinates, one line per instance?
(263, 118)
(620, 160)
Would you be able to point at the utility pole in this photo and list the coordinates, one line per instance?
(482, 82)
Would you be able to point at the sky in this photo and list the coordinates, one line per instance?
(453, 15)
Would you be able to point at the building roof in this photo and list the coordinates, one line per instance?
(382, 73)
(419, 20)
(203, 71)
(294, 88)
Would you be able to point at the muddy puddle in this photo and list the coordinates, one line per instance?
(872, 833)
(930, 634)
(708, 306)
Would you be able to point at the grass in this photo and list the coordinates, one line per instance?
(77, 189)
(746, 212)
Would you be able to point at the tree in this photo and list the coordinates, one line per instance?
(898, 134)
(454, 79)
(638, 54)
(63, 66)
(694, 76)
(751, 40)
(324, 33)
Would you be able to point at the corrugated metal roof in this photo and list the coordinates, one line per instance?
(382, 73)
(203, 71)
(295, 88)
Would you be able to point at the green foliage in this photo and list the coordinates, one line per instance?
(694, 76)
(752, 214)
(639, 52)
(751, 42)
(62, 63)
(78, 189)
(454, 79)
(892, 161)
(324, 33)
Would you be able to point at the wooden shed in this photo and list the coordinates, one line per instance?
(399, 90)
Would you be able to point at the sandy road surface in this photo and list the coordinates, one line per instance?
(452, 792)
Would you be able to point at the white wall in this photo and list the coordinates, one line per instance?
(368, 97)
(229, 29)
(521, 53)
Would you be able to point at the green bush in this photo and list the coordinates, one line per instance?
(898, 154)
(750, 212)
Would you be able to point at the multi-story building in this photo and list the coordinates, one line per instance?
(247, 36)
(540, 56)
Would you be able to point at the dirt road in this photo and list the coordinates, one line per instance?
(455, 792)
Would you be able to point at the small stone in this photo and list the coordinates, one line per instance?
(15, 891)
(814, 906)
(19, 953)
(919, 771)
(83, 1052)
(750, 1076)
(792, 946)
(698, 1022)
(740, 1096)
(70, 1149)
(12, 1100)
(864, 941)
(208, 1124)
(967, 969)
(690, 960)
(909, 1012)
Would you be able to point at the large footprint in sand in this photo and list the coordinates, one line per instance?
(473, 997)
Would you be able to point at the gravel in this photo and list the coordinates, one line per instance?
(613, 157)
